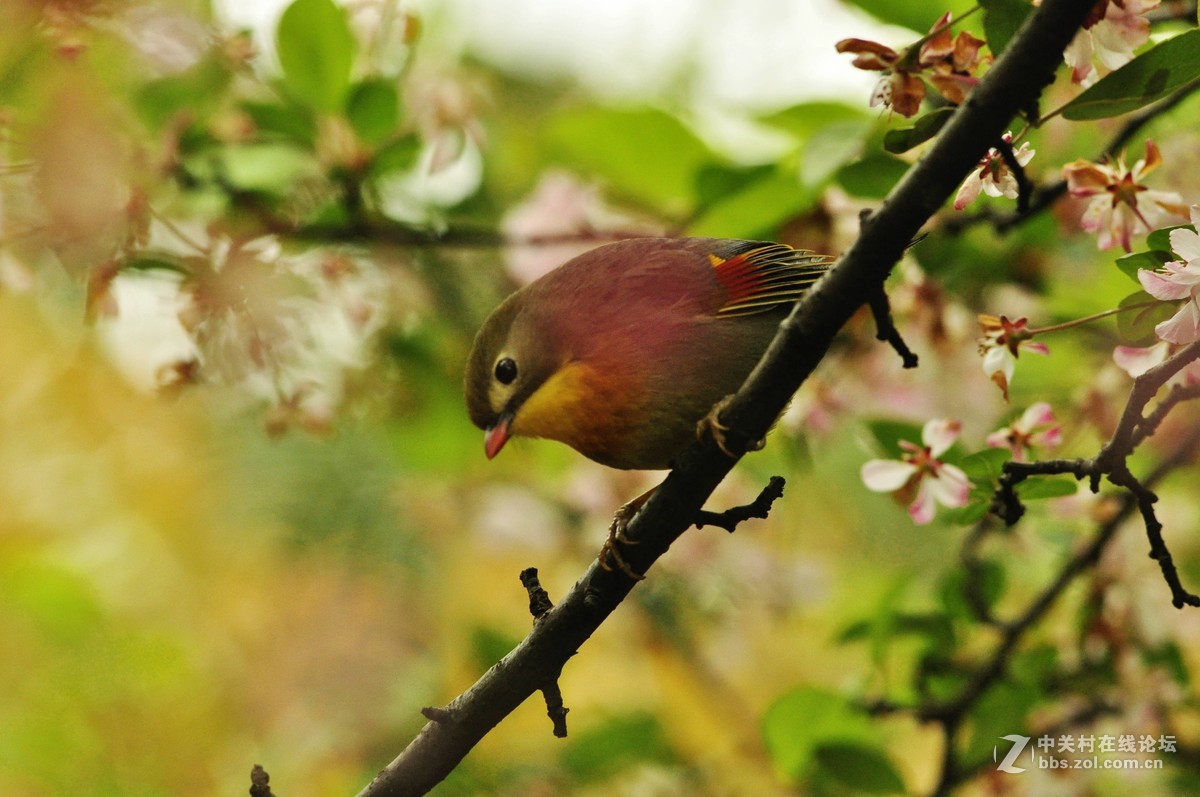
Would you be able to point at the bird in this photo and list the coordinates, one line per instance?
(624, 352)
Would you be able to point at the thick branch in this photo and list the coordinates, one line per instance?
(1015, 81)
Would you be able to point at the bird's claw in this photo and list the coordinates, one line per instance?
(711, 424)
(609, 554)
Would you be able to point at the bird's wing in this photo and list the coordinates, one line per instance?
(758, 276)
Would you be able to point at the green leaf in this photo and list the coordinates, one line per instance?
(489, 645)
(595, 753)
(830, 148)
(918, 15)
(987, 583)
(926, 127)
(373, 109)
(1161, 239)
(984, 467)
(198, 90)
(1151, 261)
(264, 167)
(1151, 76)
(806, 718)
(756, 210)
(873, 176)
(1001, 711)
(1136, 327)
(889, 434)
(808, 118)
(645, 154)
(396, 156)
(293, 122)
(865, 770)
(1046, 487)
(316, 50)
(1001, 20)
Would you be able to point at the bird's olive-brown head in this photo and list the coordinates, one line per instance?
(514, 354)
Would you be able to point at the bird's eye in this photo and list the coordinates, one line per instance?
(506, 370)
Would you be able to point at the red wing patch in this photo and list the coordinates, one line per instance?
(766, 276)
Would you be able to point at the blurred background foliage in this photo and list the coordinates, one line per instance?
(246, 519)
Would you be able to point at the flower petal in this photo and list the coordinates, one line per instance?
(886, 475)
(1036, 415)
(1165, 287)
(923, 507)
(1183, 327)
(1186, 243)
(1137, 361)
(939, 434)
(951, 487)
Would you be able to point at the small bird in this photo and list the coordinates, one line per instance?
(622, 351)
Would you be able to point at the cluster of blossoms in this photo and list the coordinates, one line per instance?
(947, 61)
(1119, 205)
(921, 479)
(1110, 34)
(1179, 279)
(993, 175)
(1002, 342)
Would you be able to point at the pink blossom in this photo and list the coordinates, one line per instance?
(1137, 361)
(1113, 30)
(993, 176)
(1178, 280)
(1119, 202)
(919, 478)
(1035, 427)
(1001, 344)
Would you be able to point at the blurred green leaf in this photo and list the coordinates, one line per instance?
(1168, 656)
(264, 167)
(316, 50)
(889, 434)
(373, 109)
(873, 176)
(198, 91)
(984, 467)
(596, 753)
(755, 210)
(489, 645)
(290, 121)
(926, 127)
(397, 156)
(1038, 487)
(807, 118)
(864, 769)
(1001, 20)
(644, 154)
(958, 588)
(918, 15)
(1150, 76)
(1136, 326)
(806, 718)
(1151, 261)
(58, 602)
(830, 148)
(1001, 711)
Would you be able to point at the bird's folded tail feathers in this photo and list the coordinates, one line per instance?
(761, 276)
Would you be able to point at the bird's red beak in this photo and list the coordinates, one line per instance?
(497, 435)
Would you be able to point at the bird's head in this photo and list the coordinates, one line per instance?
(515, 354)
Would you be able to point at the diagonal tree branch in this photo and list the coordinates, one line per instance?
(1013, 83)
